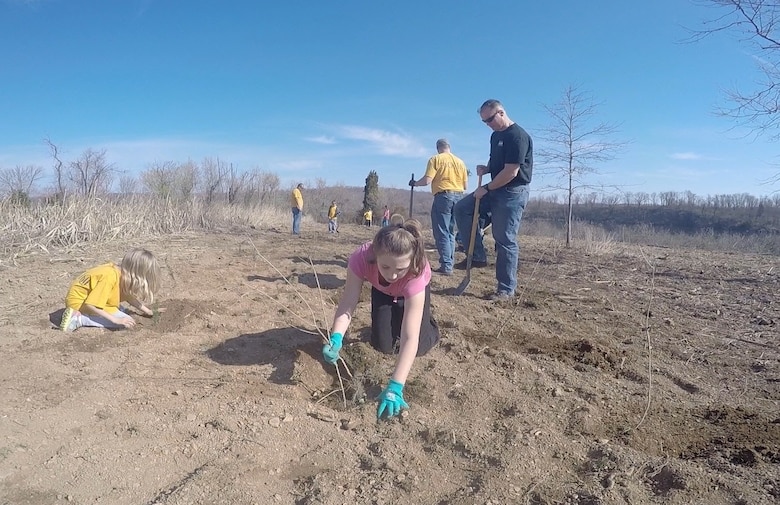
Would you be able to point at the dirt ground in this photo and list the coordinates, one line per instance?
(633, 375)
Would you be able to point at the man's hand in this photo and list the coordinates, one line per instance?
(412, 183)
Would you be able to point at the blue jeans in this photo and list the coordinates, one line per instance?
(102, 322)
(506, 206)
(332, 225)
(443, 224)
(296, 221)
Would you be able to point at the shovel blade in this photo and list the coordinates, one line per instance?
(463, 284)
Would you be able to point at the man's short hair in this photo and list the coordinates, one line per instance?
(441, 143)
(491, 104)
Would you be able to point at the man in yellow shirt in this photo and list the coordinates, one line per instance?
(296, 202)
(368, 216)
(333, 215)
(448, 177)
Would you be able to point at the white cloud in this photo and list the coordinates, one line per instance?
(322, 139)
(389, 143)
(687, 156)
(30, 3)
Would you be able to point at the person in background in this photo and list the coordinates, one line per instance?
(333, 215)
(296, 202)
(386, 217)
(94, 298)
(368, 215)
(510, 167)
(448, 177)
(395, 265)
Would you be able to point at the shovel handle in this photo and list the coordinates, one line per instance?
(411, 197)
(474, 224)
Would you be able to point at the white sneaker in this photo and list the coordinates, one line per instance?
(71, 320)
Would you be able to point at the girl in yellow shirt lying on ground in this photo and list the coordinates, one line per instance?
(94, 297)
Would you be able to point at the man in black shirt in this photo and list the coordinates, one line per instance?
(510, 167)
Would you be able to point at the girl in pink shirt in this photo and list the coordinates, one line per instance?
(395, 265)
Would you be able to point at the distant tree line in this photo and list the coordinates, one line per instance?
(91, 174)
(677, 212)
(215, 180)
(665, 199)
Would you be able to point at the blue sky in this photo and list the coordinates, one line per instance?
(317, 89)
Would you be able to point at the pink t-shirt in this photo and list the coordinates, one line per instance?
(404, 287)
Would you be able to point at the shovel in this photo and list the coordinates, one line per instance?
(470, 254)
(411, 197)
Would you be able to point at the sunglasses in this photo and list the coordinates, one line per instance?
(491, 118)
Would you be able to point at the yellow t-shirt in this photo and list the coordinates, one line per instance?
(98, 286)
(367, 215)
(448, 173)
(332, 212)
(296, 199)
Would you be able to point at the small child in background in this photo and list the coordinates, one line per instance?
(94, 297)
(333, 216)
(395, 265)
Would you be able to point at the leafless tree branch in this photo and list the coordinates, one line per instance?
(754, 22)
(575, 144)
(58, 165)
(91, 172)
(20, 180)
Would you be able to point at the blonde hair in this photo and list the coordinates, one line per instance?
(139, 275)
(399, 240)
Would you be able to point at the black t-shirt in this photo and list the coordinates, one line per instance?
(512, 145)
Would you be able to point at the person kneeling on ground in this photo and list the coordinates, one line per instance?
(395, 265)
(94, 297)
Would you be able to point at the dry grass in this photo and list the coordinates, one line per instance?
(595, 240)
(78, 220)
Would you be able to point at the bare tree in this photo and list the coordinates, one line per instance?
(186, 180)
(168, 179)
(755, 22)
(235, 184)
(91, 172)
(59, 173)
(159, 178)
(574, 144)
(20, 180)
(128, 185)
(260, 187)
(269, 184)
(213, 175)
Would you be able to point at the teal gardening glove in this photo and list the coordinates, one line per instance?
(391, 401)
(330, 352)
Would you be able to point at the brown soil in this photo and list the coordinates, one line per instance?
(636, 375)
